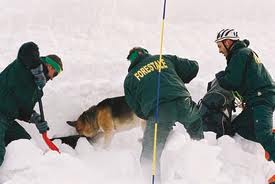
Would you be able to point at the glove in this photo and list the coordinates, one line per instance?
(220, 74)
(42, 126)
(39, 77)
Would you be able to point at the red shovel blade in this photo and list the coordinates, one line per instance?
(51, 145)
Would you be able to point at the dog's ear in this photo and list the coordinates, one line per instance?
(71, 123)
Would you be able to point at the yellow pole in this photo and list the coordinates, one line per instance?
(158, 91)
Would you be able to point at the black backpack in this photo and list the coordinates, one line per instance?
(216, 109)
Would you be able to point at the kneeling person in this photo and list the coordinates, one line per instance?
(21, 85)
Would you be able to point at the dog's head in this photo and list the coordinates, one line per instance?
(86, 123)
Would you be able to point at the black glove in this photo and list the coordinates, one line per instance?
(220, 74)
(42, 126)
(39, 77)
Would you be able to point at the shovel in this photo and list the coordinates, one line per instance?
(50, 144)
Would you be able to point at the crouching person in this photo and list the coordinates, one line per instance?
(246, 75)
(216, 109)
(21, 84)
(175, 103)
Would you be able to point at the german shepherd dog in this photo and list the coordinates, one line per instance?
(107, 117)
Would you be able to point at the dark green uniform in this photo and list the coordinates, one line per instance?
(18, 95)
(246, 75)
(140, 87)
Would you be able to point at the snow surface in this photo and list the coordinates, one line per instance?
(93, 38)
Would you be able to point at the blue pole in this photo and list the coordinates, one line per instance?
(158, 94)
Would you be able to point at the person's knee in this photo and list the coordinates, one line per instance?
(195, 130)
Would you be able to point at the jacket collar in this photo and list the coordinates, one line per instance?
(235, 47)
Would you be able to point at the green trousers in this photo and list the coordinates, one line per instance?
(9, 131)
(182, 110)
(256, 123)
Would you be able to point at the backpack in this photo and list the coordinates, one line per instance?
(216, 109)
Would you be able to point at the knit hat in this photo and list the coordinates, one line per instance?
(135, 52)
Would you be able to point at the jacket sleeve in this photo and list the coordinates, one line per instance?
(131, 101)
(25, 110)
(28, 54)
(185, 68)
(233, 76)
(25, 116)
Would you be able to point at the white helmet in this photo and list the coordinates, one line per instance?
(230, 34)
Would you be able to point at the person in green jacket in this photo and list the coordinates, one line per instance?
(21, 84)
(175, 103)
(246, 75)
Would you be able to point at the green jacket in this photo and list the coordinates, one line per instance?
(247, 75)
(18, 91)
(140, 85)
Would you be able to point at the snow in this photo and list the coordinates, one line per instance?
(93, 38)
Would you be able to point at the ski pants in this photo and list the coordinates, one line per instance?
(9, 131)
(255, 123)
(182, 110)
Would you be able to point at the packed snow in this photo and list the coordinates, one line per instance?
(93, 39)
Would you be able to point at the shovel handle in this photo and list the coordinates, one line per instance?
(50, 144)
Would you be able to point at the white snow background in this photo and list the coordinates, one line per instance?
(93, 39)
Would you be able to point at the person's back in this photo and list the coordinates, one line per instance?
(143, 78)
(247, 75)
(16, 88)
